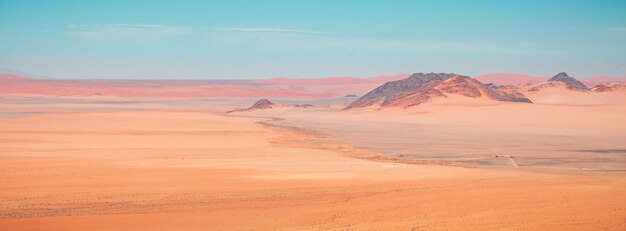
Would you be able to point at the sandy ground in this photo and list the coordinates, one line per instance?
(186, 165)
(561, 131)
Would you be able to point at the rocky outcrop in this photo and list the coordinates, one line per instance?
(491, 85)
(473, 88)
(571, 82)
(305, 105)
(420, 88)
(394, 90)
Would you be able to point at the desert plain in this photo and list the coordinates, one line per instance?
(182, 163)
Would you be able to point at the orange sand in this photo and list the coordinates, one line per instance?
(166, 166)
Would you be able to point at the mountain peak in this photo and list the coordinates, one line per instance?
(572, 82)
(562, 74)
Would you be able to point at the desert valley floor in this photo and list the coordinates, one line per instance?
(185, 164)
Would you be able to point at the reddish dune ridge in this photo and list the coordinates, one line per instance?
(147, 88)
(275, 87)
(332, 80)
(330, 87)
(13, 77)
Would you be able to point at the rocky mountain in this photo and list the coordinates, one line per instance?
(420, 88)
(394, 90)
(571, 82)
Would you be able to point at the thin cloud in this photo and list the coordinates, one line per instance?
(126, 30)
(617, 30)
(266, 30)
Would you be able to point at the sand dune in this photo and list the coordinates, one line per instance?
(156, 160)
(597, 80)
(186, 165)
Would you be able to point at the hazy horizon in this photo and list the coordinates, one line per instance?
(174, 78)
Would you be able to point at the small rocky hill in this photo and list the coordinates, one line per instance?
(262, 104)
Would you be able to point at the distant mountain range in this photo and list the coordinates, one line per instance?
(421, 88)
(332, 87)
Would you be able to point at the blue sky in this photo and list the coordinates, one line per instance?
(310, 39)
